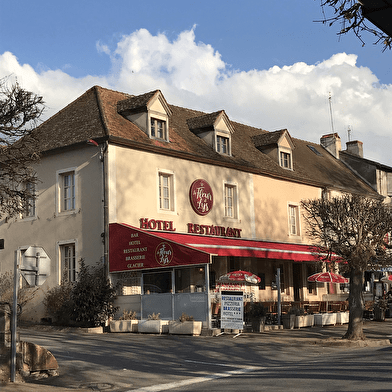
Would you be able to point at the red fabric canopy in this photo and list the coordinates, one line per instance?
(244, 248)
(133, 249)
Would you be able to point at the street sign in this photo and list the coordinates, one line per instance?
(35, 265)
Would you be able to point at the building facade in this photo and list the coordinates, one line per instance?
(170, 199)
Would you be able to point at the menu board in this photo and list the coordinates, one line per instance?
(232, 310)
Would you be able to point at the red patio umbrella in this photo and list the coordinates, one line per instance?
(387, 279)
(240, 276)
(327, 277)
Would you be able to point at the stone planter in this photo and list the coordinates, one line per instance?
(321, 319)
(185, 327)
(342, 317)
(288, 321)
(153, 326)
(92, 329)
(306, 320)
(124, 325)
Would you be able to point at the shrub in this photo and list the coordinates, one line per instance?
(25, 294)
(131, 315)
(185, 317)
(87, 302)
(58, 303)
(154, 316)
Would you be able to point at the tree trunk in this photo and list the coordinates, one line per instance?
(355, 324)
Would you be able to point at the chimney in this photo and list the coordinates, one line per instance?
(332, 143)
(355, 147)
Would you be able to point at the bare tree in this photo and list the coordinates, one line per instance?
(19, 112)
(353, 229)
(349, 14)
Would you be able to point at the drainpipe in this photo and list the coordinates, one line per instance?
(104, 161)
(105, 235)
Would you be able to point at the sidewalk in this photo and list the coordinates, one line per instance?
(378, 334)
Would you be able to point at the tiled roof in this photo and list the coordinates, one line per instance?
(95, 115)
(267, 139)
(134, 103)
(203, 121)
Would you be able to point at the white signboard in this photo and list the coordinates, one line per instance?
(232, 310)
(35, 266)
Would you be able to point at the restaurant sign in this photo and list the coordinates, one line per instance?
(132, 249)
(193, 228)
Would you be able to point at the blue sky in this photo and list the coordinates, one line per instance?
(268, 64)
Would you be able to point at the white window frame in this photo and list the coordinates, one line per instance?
(218, 136)
(234, 198)
(294, 221)
(172, 191)
(30, 206)
(61, 246)
(285, 152)
(158, 118)
(60, 175)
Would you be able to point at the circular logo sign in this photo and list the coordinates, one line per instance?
(201, 197)
(164, 253)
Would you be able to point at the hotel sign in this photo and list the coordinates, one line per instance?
(193, 228)
(201, 197)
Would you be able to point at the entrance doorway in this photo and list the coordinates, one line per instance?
(297, 281)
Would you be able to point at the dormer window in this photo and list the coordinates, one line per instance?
(222, 144)
(150, 112)
(285, 160)
(215, 129)
(158, 128)
(278, 146)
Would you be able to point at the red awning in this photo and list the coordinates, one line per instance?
(243, 248)
(133, 249)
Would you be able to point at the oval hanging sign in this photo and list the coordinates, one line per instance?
(201, 197)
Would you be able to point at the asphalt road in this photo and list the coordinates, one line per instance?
(309, 359)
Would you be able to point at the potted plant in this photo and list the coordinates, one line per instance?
(303, 319)
(288, 319)
(380, 307)
(153, 324)
(185, 325)
(256, 314)
(126, 323)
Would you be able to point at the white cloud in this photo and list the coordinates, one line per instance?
(193, 74)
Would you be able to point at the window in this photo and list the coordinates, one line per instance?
(310, 270)
(222, 144)
(389, 184)
(261, 275)
(66, 182)
(66, 190)
(294, 220)
(314, 149)
(230, 201)
(166, 194)
(285, 160)
(157, 282)
(68, 262)
(189, 280)
(158, 128)
(29, 207)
